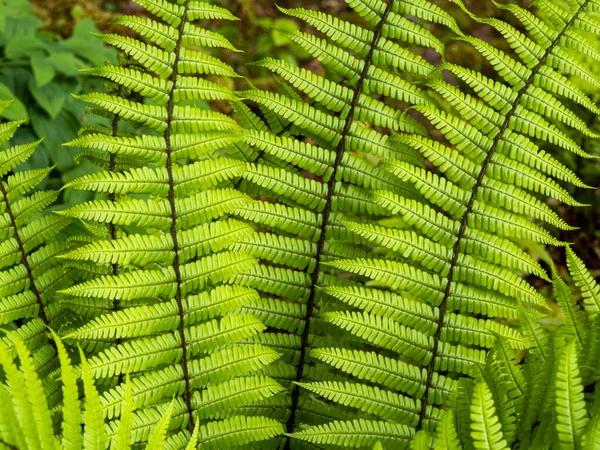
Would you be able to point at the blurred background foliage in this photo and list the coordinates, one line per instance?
(44, 43)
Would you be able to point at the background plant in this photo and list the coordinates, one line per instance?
(42, 70)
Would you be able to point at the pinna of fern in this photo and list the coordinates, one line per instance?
(155, 293)
(29, 273)
(311, 173)
(549, 399)
(453, 282)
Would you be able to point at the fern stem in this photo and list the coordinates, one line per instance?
(310, 304)
(24, 257)
(171, 196)
(112, 228)
(112, 164)
(9, 446)
(465, 218)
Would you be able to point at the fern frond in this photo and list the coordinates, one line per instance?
(30, 274)
(584, 281)
(237, 431)
(358, 433)
(94, 437)
(326, 269)
(225, 364)
(536, 402)
(590, 438)
(571, 415)
(72, 417)
(446, 436)
(441, 243)
(157, 439)
(17, 410)
(485, 426)
(156, 290)
(573, 318)
(33, 419)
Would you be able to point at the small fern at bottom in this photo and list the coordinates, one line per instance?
(550, 398)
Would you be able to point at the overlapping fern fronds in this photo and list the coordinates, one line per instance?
(541, 401)
(451, 280)
(320, 269)
(314, 169)
(29, 273)
(155, 290)
(28, 422)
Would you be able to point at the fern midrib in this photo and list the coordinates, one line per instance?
(24, 257)
(112, 228)
(340, 149)
(464, 220)
(187, 397)
(9, 446)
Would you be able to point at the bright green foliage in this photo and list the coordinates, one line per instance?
(338, 264)
(26, 419)
(157, 294)
(485, 425)
(590, 291)
(541, 402)
(29, 274)
(448, 254)
(318, 197)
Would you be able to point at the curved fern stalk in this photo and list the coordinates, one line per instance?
(315, 160)
(506, 114)
(29, 275)
(178, 323)
(112, 228)
(455, 256)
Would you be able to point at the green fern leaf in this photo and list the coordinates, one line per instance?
(156, 287)
(574, 322)
(30, 275)
(590, 438)
(320, 269)
(122, 441)
(485, 425)
(571, 415)
(94, 437)
(42, 420)
(72, 419)
(357, 433)
(446, 437)
(157, 439)
(431, 258)
(589, 288)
